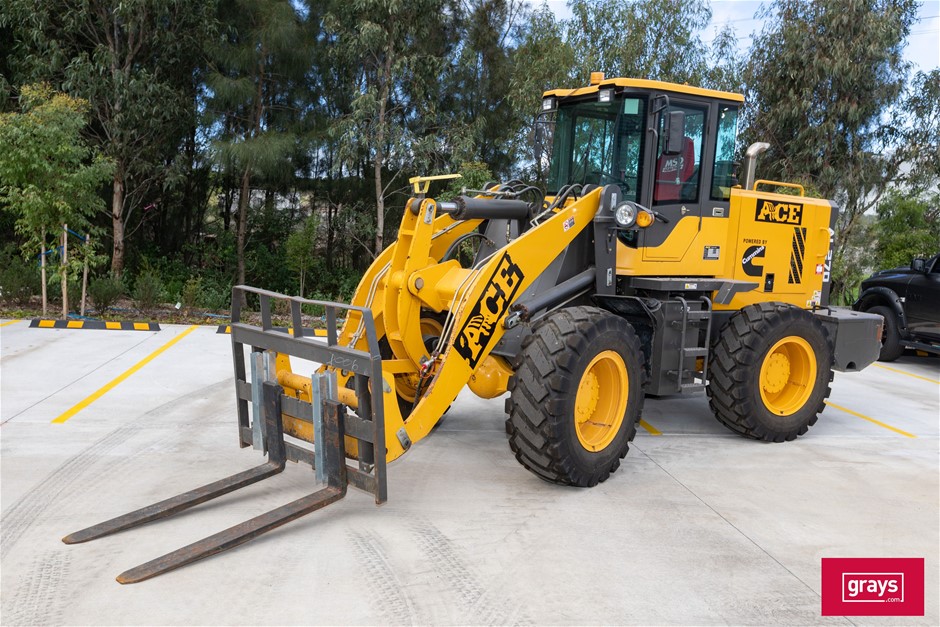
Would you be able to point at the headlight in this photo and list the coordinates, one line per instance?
(625, 214)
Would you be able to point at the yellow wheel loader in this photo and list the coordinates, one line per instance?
(645, 268)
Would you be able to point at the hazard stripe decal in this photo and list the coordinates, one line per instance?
(796, 257)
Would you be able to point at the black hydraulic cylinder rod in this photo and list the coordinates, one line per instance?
(553, 296)
(466, 208)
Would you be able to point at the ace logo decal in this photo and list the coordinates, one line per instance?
(779, 212)
(477, 331)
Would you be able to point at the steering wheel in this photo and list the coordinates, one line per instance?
(613, 179)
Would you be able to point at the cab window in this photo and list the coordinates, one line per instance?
(723, 178)
(677, 176)
(599, 143)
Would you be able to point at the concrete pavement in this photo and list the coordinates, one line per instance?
(698, 526)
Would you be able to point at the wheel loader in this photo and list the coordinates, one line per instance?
(643, 267)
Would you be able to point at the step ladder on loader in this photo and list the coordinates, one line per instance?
(264, 428)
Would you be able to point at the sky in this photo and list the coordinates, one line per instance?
(923, 44)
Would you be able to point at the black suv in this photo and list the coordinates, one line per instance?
(909, 301)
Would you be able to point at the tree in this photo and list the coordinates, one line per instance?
(907, 228)
(919, 120)
(655, 39)
(388, 43)
(255, 74)
(301, 250)
(132, 60)
(48, 175)
(820, 79)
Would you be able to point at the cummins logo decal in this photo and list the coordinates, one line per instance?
(751, 260)
(796, 257)
(477, 331)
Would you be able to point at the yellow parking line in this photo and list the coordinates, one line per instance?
(121, 377)
(916, 376)
(650, 428)
(872, 420)
(9, 322)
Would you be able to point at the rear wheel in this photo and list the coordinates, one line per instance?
(770, 372)
(576, 396)
(891, 347)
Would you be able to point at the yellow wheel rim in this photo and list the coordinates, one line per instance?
(601, 401)
(787, 375)
(406, 384)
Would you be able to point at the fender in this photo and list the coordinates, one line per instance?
(880, 295)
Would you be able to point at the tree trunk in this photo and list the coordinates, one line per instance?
(380, 146)
(117, 219)
(42, 272)
(64, 271)
(87, 251)
(242, 227)
(379, 199)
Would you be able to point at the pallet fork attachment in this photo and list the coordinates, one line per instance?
(330, 420)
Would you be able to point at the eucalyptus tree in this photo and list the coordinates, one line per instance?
(384, 46)
(49, 176)
(132, 61)
(654, 39)
(257, 74)
(823, 84)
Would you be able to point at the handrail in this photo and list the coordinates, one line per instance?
(780, 184)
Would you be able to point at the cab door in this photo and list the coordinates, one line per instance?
(676, 181)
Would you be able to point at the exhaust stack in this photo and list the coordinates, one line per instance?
(750, 162)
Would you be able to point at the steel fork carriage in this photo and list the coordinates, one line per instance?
(263, 428)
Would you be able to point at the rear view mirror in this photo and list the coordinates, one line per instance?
(674, 131)
(919, 265)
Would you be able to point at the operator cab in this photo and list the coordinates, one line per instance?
(668, 147)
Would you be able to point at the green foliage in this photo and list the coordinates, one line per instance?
(148, 290)
(907, 228)
(19, 279)
(473, 176)
(134, 62)
(104, 293)
(191, 294)
(301, 248)
(821, 80)
(655, 39)
(270, 111)
(48, 175)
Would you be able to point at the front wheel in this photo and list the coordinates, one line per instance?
(770, 374)
(576, 396)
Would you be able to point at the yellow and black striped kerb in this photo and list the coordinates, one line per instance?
(94, 324)
(226, 328)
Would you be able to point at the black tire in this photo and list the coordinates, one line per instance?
(735, 375)
(891, 346)
(548, 372)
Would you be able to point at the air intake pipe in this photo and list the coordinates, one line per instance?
(750, 162)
